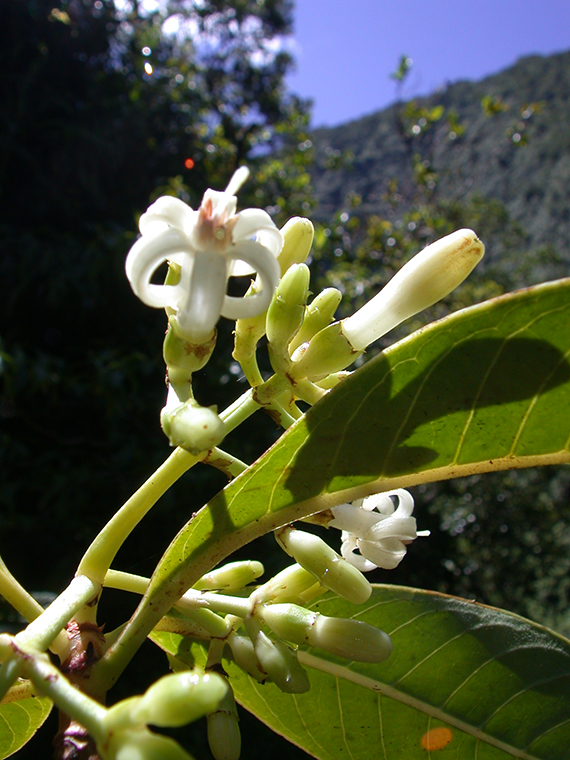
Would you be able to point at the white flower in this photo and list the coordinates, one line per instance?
(374, 527)
(209, 245)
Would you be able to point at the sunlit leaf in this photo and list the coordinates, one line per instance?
(19, 721)
(464, 682)
(486, 388)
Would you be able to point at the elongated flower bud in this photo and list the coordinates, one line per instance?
(285, 314)
(427, 278)
(318, 314)
(223, 730)
(297, 241)
(328, 351)
(245, 657)
(352, 639)
(288, 585)
(181, 698)
(230, 577)
(316, 556)
(279, 662)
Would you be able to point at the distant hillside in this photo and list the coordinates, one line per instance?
(532, 180)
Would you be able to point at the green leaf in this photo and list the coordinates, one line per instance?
(486, 388)
(19, 721)
(465, 681)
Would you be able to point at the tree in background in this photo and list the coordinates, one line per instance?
(104, 108)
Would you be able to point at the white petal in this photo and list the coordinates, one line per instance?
(353, 519)
(164, 213)
(200, 309)
(144, 258)
(380, 501)
(256, 223)
(388, 555)
(348, 550)
(404, 528)
(258, 257)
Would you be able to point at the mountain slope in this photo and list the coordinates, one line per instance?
(531, 176)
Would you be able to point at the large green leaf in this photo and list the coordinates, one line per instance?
(19, 721)
(464, 682)
(486, 388)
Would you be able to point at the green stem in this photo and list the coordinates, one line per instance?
(99, 556)
(309, 392)
(40, 633)
(231, 466)
(50, 682)
(9, 672)
(27, 606)
(192, 600)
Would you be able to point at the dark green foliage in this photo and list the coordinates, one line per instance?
(88, 139)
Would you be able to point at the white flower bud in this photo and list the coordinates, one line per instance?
(316, 556)
(427, 278)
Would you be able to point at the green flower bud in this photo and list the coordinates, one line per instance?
(351, 639)
(285, 314)
(193, 427)
(297, 241)
(248, 330)
(245, 657)
(288, 621)
(181, 698)
(328, 351)
(329, 568)
(140, 744)
(281, 664)
(223, 730)
(230, 577)
(288, 585)
(318, 314)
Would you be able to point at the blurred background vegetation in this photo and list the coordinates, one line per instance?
(101, 112)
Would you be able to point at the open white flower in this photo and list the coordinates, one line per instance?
(377, 529)
(209, 245)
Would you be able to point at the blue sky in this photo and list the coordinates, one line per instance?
(346, 49)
